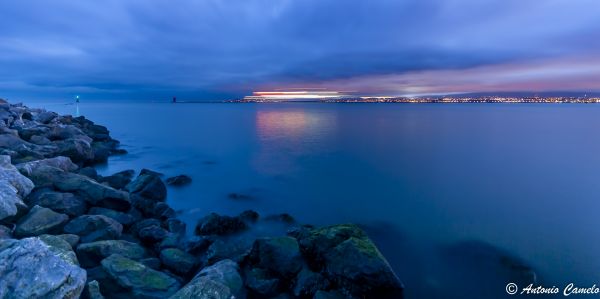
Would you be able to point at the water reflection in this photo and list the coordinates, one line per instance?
(286, 135)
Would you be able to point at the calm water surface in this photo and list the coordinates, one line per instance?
(523, 178)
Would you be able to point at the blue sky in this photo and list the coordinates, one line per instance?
(216, 49)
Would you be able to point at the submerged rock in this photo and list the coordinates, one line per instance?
(179, 180)
(219, 281)
(215, 224)
(348, 258)
(39, 221)
(31, 269)
(94, 228)
(142, 281)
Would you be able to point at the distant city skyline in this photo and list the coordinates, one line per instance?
(228, 49)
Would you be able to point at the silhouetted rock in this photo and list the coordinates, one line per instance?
(179, 180)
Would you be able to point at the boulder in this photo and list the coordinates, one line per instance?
(78, 149)
(66, 203)
(236, 249)
(349, 259)
(63, 163)
(60, 247)
(178, 261)
(142, 281)
(45, 117)
(179, 180)
(148, 185)
(72, 239)
(92, 228)
(126, 219)
(215, 224)
(31, 269)
(280, 255)
(94, 193)
(219, 281)
(39, 221)
(119, 180)
(89, 172)
(90, 254)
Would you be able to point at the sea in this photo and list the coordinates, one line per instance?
(456, 196)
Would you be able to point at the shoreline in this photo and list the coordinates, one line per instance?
(116, 236)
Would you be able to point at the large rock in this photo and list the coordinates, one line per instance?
(63, 163)
(219, 281)
(261, 283)
(29, 268)
(178, 261)
(279, 254)
(308, 283)
(148, 185)
(94, 193)
(90, 254)
(94, 228)
(141, 280)
(39, 221)
(13, 188)
(349, 258)
(215, 224)
(78, 149)
(126, 219)
(66, 203)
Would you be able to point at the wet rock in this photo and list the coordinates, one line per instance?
(179, 180)
(215, 224)
(279, 254)
(39, 221)
(78, 149)
(261, 283)
(119, 180)
(163, 211)
(62, 163)
(308, 283)
(197, 245)
(178, 261)
(126, 219)
(92, 291)
(90, 254)
(148, 185)
(92, 228)
(219, 281)
(66, 203)
(31, 269)
(349, 259)
(235, 249)
(142, 281)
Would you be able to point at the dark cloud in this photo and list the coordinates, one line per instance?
(213, 48)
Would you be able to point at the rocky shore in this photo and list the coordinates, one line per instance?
(67, 232)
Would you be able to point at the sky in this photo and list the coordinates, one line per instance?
(219, 49)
